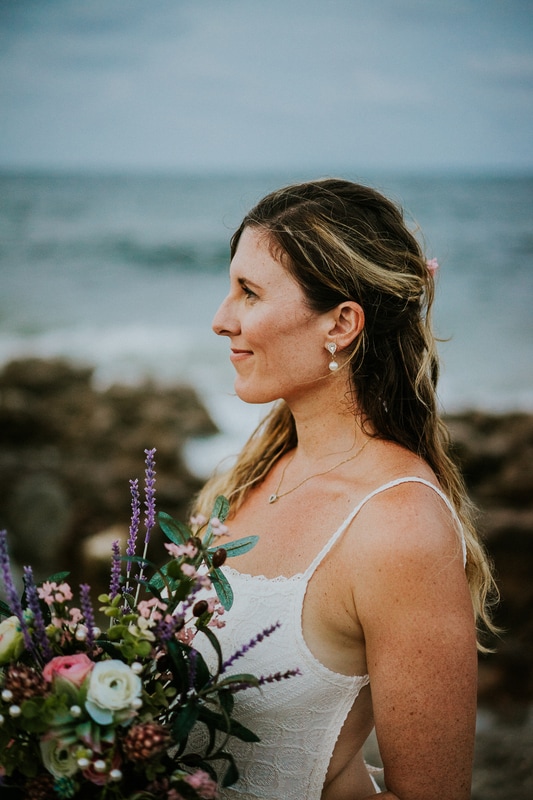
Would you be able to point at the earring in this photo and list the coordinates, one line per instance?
(331, 347)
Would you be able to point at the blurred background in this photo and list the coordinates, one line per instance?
(134, 137)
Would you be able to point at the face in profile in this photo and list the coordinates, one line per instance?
(277, 342)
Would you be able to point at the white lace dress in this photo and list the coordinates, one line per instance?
(298, 720)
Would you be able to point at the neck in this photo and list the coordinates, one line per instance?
(329, 426)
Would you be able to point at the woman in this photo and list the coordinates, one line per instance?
(366, 554)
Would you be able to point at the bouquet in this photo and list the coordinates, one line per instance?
(107, 714)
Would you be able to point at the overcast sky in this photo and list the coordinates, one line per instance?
(266, 84)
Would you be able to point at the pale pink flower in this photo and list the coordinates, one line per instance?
(219, 529)
(198, 521)
(179, 550)
(151, 608)
(215, 622)
(202, 783)
(51, 593)
(75, 615)
(432, 264)
(189, 570)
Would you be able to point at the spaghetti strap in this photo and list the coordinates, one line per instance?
(397, 482)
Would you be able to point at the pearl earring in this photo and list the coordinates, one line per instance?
(331, 347)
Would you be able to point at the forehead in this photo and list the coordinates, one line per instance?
(256, 252)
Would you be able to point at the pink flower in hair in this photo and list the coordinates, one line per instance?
(432, 264)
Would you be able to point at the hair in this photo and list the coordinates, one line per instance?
(343, 241)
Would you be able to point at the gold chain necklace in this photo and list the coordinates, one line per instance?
(277, 496)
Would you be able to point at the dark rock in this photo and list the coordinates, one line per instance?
(68, 452)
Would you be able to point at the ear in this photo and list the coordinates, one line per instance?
(347, 320)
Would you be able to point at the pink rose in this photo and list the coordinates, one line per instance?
(72, 668)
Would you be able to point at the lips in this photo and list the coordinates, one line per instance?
(238, 355)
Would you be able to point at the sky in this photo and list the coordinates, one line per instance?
(249, 85)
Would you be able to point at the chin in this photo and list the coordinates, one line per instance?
(253, 396)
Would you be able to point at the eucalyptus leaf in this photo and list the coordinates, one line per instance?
(58, 577)
(177, 532)
(236, 548)
(222, 588)
(221, 508)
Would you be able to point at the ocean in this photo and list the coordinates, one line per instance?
(125, 273)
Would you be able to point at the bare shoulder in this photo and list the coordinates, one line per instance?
(408, 518)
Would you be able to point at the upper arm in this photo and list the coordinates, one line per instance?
(413, 603)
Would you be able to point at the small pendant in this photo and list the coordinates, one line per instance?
(272, 498)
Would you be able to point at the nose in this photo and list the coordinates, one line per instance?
(224, 322)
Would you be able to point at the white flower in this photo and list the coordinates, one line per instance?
(11, 640)
(57, 758)
(113, 687)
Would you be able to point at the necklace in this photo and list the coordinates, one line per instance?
(277, 495)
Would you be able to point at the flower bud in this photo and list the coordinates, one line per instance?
(115, 775)
(100, 765)
(136, 667)
(83, 763)
(219, 557)
(7, 695)
(75, 711)
(200, 608)
(15, 711)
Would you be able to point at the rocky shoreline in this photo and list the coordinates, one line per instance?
(68, 451)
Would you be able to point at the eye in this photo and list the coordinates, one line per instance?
(250, 295)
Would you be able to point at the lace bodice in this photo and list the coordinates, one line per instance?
(298, 720)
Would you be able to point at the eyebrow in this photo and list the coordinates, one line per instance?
(245, 281)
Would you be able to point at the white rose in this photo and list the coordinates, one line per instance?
(57, 758)
(11, 640)
(113, 687)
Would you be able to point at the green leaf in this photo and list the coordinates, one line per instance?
(236, 548)
(5, 611)
(58, 577)
(226, 700)
(231, 775)
(177, 532)
(243, 677)
(215, 644)
(222, 588)
(221, 508)
(184, 720)
(179, 665)
(222, 722)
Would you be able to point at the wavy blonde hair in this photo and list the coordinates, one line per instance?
(343, 241)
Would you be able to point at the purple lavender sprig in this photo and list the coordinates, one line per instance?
(149, 488)
(279, 676)
(131, 546)
(41, 639)
(167, 627)
(275, 677)
(114, 584)
(252, 643)
(87, 610)
(11, 592)
(149, 502)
